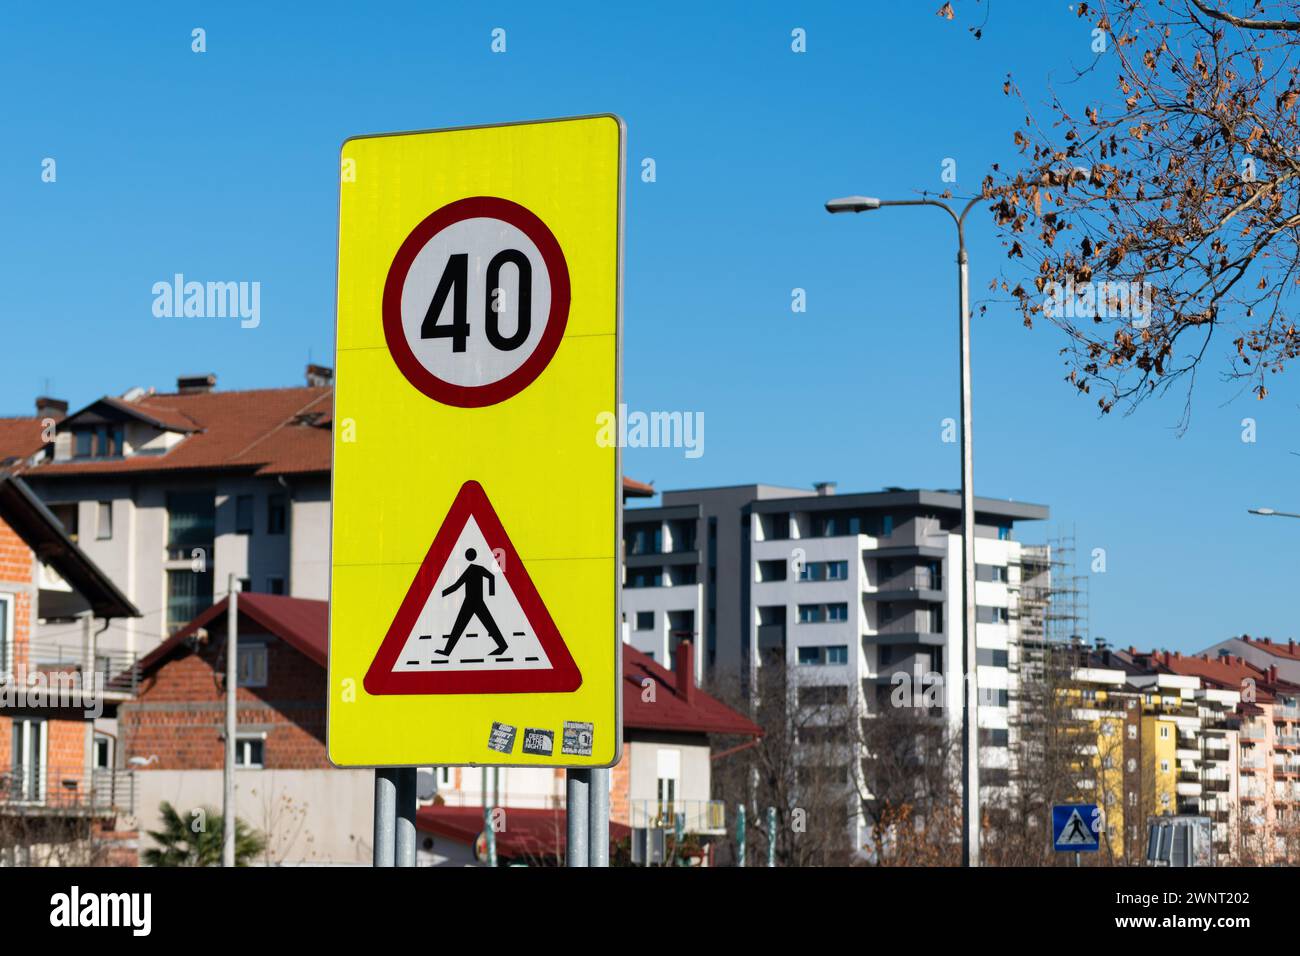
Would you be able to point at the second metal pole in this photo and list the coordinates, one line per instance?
(232, 686)
(598, 818)
(385, 816)
(578, 787)
(404, 838)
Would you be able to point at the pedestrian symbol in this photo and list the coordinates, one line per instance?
(472, 621)
(1073, 827)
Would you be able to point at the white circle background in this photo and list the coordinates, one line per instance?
(481, 363)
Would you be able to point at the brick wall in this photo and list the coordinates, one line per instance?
(179, 713)
(15, 557)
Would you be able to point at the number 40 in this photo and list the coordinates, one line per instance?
(455, 283)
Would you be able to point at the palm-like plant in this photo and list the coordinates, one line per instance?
(183, 844)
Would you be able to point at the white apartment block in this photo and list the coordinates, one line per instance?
(856, 593)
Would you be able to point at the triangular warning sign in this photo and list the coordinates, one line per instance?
(472, 622)
(1075, 832)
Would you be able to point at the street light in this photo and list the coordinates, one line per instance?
(1270, 513)
(970, 793)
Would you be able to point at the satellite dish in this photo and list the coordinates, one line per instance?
(426, 785)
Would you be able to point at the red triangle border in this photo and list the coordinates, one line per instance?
(563, 677)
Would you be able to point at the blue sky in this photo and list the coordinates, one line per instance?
(222, 165)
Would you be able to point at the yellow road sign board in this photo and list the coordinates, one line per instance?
(474, 589)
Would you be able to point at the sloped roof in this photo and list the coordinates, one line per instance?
(1229, 672)
(1288, 651)
(266, 431)
(20, 438)
(304, 625)
(530, 832)
(300, 623)
(668, 710)
(22, 511)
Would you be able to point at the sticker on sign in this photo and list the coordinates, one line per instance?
(476, 302)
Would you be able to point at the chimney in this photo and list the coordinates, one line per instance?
(1290, 645)
(1168, 658)
(47, 407)
(318, 375)
(1272, 673)
(1268, 640)
(196, 384)
(686, 671)
(825, 488)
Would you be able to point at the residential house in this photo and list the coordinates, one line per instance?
(63, 794)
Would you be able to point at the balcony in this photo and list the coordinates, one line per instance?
(1286, 741)
(697, 816)
(28, 790)
(60, 669)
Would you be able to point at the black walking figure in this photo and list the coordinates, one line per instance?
(472, 580)
(1076, 826)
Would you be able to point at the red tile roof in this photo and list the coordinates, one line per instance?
(1229, 672)
(300, 623)
(530, 832)
(20, 438)
(667, 710)
(268, 431)
(304, 625)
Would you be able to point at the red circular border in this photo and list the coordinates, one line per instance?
(476, 396)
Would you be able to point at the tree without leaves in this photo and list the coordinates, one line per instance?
(1184, 181)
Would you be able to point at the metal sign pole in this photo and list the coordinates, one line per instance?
(598, 818)
(577, 786)
(404, 839)
(232, 720)
(385, 816)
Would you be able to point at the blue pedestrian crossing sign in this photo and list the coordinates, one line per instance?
(1075, 827)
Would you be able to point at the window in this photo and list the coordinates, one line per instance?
(191, 517)
(645, 620)
(821, 695)
(103, 756)
(27, 749)
(1132, 732)
(188, 594)
(645, 577)
(252, 665)
(275, 585)
(1164, 766)
(818, 656)
(104, 520)
(1004, 532)
(990, 615)
(990, 572)
(821, 613)
(275, 514)
(1132, 798)
(245, 585)
(244, 514)
(837, 570)
(885, 609)
(250, 751)
(99, 441)
(6, 632)
(1164, 731)
(886, 525)
(669, 775)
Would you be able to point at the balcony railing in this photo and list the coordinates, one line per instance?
(698, 816)
(35, 789)
(62, 667)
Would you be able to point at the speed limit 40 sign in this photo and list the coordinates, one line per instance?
(474, 612)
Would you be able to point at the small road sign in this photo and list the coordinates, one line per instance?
(1075, 827)
(475, 553)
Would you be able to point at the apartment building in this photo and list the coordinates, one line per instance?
(1265, 740)
(856, 595)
